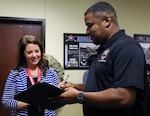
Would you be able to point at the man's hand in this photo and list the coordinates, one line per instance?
(70, 84)
(70, 95)
(65, 85)
(67, 97)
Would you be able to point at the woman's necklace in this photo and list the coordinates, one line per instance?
(31, 77)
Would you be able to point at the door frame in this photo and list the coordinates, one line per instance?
(28, 21)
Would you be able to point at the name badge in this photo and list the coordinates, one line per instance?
(104, 56)
(101, 60)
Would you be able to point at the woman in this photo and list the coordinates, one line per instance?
(31, 67)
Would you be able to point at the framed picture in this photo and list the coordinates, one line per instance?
(144, 41)
(77, 48)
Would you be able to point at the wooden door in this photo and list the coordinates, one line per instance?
(10, 34)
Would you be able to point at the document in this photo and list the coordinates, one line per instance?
(41, 95)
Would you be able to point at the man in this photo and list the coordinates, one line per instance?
(53, 62)
(116, 85)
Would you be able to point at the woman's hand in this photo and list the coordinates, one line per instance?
(21, 105)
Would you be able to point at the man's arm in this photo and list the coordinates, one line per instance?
(109, 98)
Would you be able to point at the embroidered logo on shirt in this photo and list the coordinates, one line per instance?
(104, 56)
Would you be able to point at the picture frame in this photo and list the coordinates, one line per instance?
(144, 41)
(77, 48)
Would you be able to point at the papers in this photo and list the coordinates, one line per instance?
(41, 95)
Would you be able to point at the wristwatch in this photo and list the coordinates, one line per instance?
(80, 98)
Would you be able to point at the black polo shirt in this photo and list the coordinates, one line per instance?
(120, 62)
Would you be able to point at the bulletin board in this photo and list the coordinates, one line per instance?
(77, 48)
(144, 41)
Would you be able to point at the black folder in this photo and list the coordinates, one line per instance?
(40, 95)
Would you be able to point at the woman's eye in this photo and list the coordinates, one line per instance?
(36, 51)
(29, 52)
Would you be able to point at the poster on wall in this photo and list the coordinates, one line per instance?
(77, 48)
(144, 41)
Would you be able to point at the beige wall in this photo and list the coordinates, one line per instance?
(67, 16)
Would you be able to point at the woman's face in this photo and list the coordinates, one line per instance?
(32, 54)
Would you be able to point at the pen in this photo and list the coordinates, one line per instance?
(66, 79)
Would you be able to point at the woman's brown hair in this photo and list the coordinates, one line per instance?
(21, 61)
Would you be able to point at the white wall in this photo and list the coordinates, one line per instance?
(66, 16)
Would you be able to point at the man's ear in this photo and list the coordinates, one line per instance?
(107, 20)
(107, 24)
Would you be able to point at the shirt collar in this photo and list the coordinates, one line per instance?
(110, 41)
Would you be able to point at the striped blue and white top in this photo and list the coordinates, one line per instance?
(17, 82)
